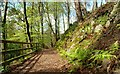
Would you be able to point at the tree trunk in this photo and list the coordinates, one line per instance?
(0, 17)
(68, 13)
(94, 5)
(51, 40)
(27, 24)
(42, 27)
(101, 2)
(84, 10)
(4, 32)
(31, 27)
(4, 21)
(56, 26)
(63, 22)
(49, 22)
(0, 24)
(85, 3)
(78, 11)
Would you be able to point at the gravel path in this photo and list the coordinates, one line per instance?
(46, 61)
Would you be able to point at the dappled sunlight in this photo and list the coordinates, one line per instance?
(60, 37)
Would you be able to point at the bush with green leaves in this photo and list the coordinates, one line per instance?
(1, 69)
(4, 69)
(102, 19)
(100, 55)
(114, 47)
(80, 57)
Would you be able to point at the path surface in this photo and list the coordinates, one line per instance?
(46, 61)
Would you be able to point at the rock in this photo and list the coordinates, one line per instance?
(107, 24)
(98, 28)
(92, 22)
(105, 63)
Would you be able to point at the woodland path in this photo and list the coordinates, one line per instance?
(46, 61)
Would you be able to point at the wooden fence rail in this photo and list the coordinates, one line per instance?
(24, 50)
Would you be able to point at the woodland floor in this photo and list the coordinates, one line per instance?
(46, 61)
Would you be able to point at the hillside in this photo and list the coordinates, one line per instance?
(60, 36)
(92, 46)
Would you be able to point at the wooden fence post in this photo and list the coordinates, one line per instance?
(4, 55)
(22, 51)
(36, 47)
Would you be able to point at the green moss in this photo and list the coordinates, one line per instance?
(102, 20)
(79, 54)
(69, 31)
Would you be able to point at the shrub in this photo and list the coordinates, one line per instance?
(79, 57)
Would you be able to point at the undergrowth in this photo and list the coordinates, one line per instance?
(86, 58)
(80, 55)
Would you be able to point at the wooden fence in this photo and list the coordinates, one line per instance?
(20, 50)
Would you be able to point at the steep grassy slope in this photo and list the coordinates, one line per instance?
(85, 28)
(79, 46)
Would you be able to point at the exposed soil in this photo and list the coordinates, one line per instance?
(46, 61)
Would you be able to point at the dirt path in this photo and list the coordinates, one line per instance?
(46, 61)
